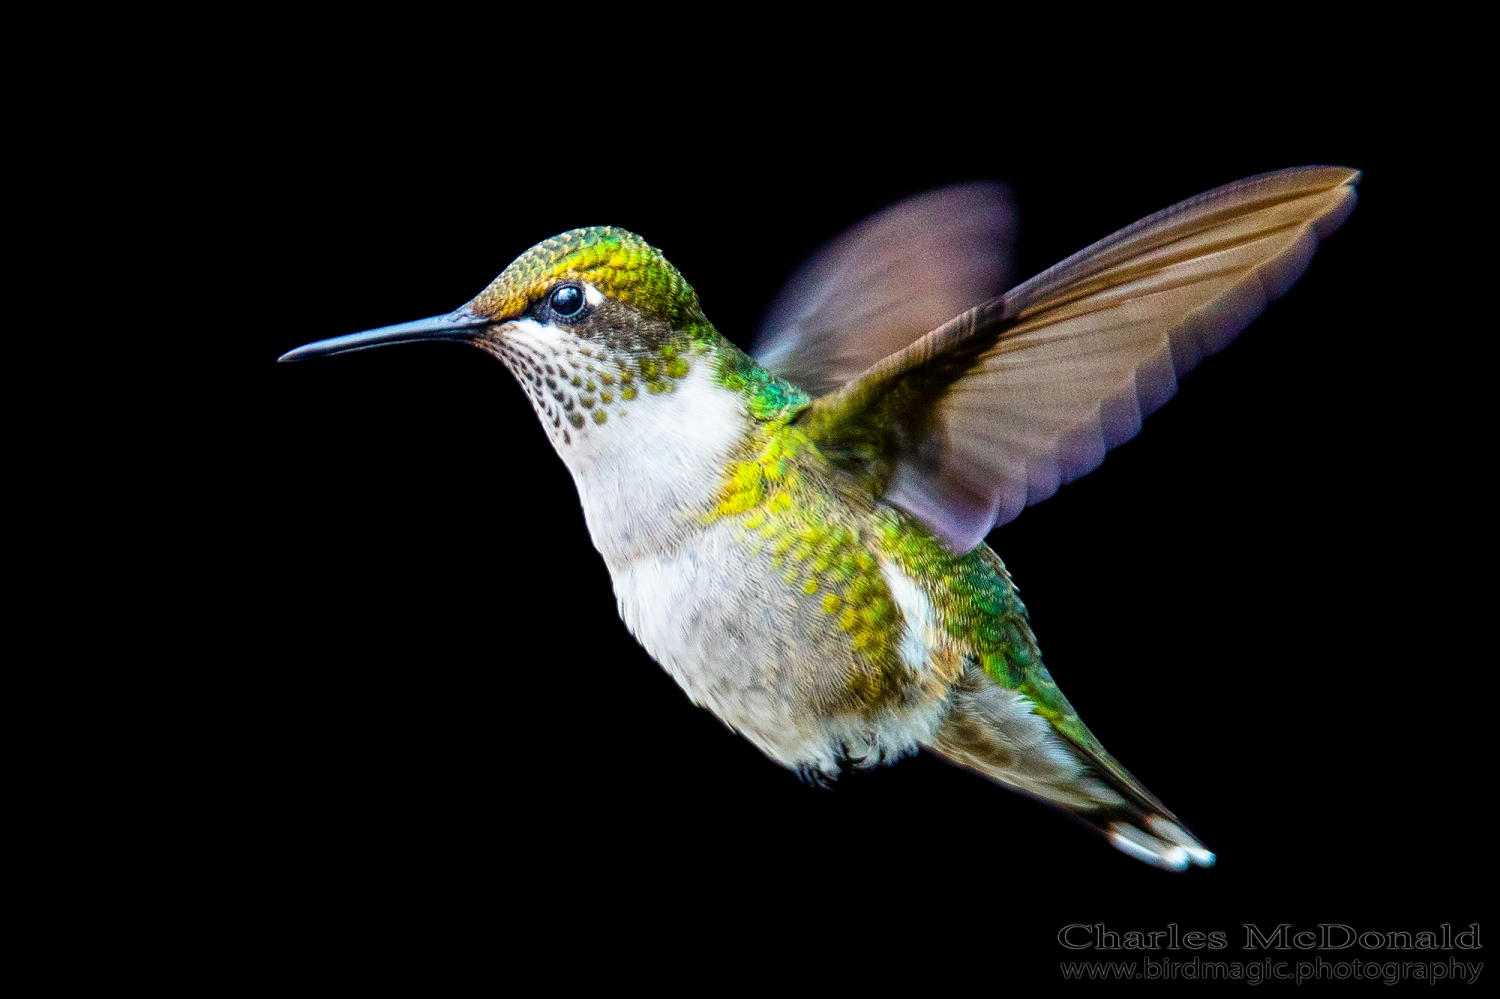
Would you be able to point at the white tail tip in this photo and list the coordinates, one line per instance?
(1170, 847)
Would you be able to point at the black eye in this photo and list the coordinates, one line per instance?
(567, 300)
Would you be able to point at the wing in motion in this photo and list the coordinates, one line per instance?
(997, 407)
(887, 281)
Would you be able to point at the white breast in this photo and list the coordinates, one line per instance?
(646, 467)
(647, 475)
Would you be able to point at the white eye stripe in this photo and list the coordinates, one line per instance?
(592, 295)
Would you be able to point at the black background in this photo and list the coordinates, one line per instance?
(380, 713)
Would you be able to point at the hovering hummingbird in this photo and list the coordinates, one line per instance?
(797, 536)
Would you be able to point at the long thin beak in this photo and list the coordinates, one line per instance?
(462, 326)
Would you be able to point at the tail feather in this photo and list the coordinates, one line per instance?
(994, 732)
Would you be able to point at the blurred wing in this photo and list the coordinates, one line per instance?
(994, 409)
(887, 281)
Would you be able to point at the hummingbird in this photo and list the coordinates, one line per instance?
(796, 535)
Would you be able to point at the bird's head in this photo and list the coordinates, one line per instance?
(602, 290)
(598, 284)
(586, 321)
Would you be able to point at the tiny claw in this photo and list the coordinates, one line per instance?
(813, 777)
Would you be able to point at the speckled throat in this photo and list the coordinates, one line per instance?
(575, 381)
(644, 424)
